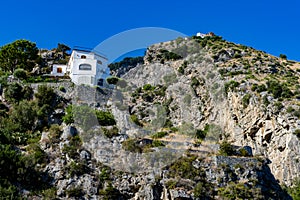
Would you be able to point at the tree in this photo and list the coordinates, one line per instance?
(14, 92)
(45, 96)
(62, 48)
(24, 115)
(20, 74)
(19, 54)
(283, 56)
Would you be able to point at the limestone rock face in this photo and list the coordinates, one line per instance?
(266, 130)
(183, 97)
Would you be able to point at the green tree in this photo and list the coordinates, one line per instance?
(112, 80)
(45, 96)
(283, 56)
(62, 48)
(13, 92)
(226, 149)
(19, 54)
(24, 115)
(20, 74)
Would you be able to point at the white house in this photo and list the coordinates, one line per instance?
(202, 35)
(88, 67)
(58, 70)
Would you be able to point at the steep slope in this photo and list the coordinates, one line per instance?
(248, 97)
(202, 118)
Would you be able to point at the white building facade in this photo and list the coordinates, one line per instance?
(58, 70)
(88, 67)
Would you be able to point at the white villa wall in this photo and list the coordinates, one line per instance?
(55, 70)
(77, 67)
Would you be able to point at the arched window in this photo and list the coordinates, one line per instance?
(83, 57)
(99, 62)
(85, 67)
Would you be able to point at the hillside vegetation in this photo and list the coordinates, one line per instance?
(195, 118)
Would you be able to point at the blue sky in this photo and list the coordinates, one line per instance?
(271, 26)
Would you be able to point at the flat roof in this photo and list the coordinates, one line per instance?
(89, 50)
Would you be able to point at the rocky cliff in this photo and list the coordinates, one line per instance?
(202, 118)
(194, 94)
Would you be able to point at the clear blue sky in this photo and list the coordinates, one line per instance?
(271, 26)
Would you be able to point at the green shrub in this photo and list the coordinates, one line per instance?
(110, 193)
(239, 191)
(246, 100)
(128, 61)
(148, 87)
(136, 120)
(168, 123)
(183, 168)
(78, 169)
(18, 169)
(49, 193)
(222, 71)
(132, 146)
(278, 106)
(294, 191)
(157, 143)
(297, 113)
(112, 80)
(203, 190)
(290, 109)
(87, 117)
(72, 148)
(45, 96)
(231, 85)
(54, 133)
(20, 74)
(62, 89)
(254, 87)
(75, 192)
(14, 92)
(283, 56)
(226, 149)
(279, 90)
(159, 135)
(181, 70)
(112, 132)
(171, 184)
(201, 134)
(167, 55)
(261, 88)
(195, 82)
(105, 118)
(24, 116)
(38, 155)
(68, 117)
(160, 91)
(27, 92)
(243, 152)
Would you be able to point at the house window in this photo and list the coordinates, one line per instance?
(83, 57)
(99, 62)
(85, 67)
(59, 70)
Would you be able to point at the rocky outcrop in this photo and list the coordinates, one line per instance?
(195, 104)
